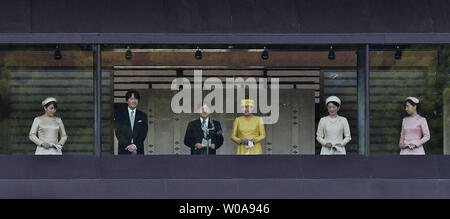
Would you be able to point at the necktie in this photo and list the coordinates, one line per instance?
(205, 128)
(132, 120)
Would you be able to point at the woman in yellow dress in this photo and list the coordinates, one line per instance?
(248, 130)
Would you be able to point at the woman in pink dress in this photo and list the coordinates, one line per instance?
(415, 130)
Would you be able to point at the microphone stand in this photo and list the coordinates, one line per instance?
(207, 149)
(207, 137)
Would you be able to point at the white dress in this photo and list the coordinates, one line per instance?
(46, 129)
(335, 131)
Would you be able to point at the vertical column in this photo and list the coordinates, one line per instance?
(443, 74)
(177, 142)
(150, 140)
(176, 133)
(446, 97)
(152, 119)
(5, 123)
(97, 100)
(363, 100)
(295, 130)
(269, 139)
(268, 128)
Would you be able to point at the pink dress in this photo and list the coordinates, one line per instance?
(414, 131)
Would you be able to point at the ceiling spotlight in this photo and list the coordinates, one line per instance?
(198, 54)
(57, 55)
(265, 54)
(398, 53)
(128, 54)
(331, 54)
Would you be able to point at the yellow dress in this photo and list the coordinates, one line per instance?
(251, 128)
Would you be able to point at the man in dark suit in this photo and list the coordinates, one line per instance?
(203, 135)
(131, 126)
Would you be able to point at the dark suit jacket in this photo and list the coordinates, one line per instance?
(194, 134)
(124, 134)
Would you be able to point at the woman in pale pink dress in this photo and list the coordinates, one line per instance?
(415, 130)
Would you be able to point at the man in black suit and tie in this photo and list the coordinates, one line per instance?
(203, 135)
(131, 126)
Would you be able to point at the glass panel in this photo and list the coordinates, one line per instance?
(306, 77)
(408, 71)
(30, 74)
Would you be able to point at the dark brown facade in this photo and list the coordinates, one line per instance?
(356, 22)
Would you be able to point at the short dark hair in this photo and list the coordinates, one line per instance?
(417, 105)
(131, 92)
(334, 103)
(51, 103)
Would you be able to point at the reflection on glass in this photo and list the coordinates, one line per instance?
(421, 72)
(306, 78)
(30, 74)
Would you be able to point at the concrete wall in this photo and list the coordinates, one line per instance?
(178, 176)
(224, 16)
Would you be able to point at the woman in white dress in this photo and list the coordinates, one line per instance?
(333, 132)
(45, 129)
